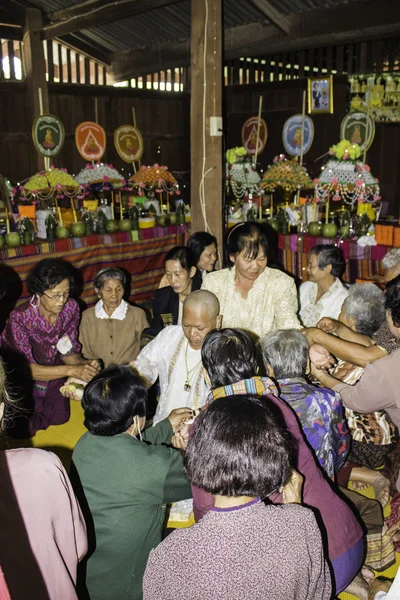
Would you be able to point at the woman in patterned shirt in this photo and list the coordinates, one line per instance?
(40, 346)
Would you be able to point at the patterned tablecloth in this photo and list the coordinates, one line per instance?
(361, 263)
(140, 253)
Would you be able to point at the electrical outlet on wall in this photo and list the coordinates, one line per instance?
(215, 126)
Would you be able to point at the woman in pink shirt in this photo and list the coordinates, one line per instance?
(42, 533)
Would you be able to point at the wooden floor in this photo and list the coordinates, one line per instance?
(61, 440)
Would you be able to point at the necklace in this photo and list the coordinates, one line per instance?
(189, 372)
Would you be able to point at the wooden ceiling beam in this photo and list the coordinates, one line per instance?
(93, 13)
(310, 30)
(11, 32)
(274, 16)
(86, 46)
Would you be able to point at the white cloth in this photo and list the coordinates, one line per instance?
(155, 361)
(119, 313)
(180, 313)
(271, 303)
(329, 305)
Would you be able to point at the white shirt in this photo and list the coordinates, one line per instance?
(155, 360)
(119, 313)
(329, 305)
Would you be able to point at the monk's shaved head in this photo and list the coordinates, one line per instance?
(200, 315)
(202, 299)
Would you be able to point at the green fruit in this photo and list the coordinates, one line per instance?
(345, 232)
(62, 233)
(13, 240)
(2, 241)
(111, 225)
(172, 218)
(78, 229)
(329, 230)
(274, 224)
(125, 224)
(314, 228)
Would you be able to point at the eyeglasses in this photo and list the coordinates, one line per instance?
(57, 296)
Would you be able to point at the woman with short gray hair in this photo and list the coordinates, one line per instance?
(323, 294)
(111, 330)
(364, 308)
(285, 355)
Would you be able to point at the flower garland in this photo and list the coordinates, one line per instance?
(154, 178)
(345, 177)
(242, 177)
(286, 174)
(45, 184)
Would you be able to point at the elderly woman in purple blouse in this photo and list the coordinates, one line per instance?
(44, 331)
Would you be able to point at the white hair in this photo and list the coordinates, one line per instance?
(392, 259)
(366, 305)
(286, 351)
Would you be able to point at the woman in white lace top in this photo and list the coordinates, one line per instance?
(253, 296)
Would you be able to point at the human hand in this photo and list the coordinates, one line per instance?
(95, 363)
(320, 357)
(73, 389)
(311, 334)
(291, 492)
(329, 325)
(376, 585)
(85, 372)
(178, 416)
(181, 437)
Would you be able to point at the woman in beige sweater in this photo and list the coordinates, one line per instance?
(111, 329)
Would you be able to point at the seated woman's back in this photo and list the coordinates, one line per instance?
(125, 483)
(277, 547)
(241, 549)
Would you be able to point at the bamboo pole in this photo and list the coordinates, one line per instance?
(303, 118)
(134, 124)
(46, 158)
(260, 102)
(366, 129)
(7, 220)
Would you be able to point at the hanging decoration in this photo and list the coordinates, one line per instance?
(345, 177)
(128, 143)
(100, 176)
(287, 175)
(242, 177)
(90, 140)
(291, 134)
(48, 135)
(45, 185)
(254, 135)
(154, 178)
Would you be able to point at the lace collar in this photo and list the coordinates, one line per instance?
(119, 313)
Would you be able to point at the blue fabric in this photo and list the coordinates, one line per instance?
(346, 566)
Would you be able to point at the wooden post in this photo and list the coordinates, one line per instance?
(206, 71)
(35, 68)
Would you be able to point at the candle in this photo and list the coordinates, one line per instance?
(260, 208)
(7, 221)
(60, 221)
(112, 205)
(272, 205)
(73, 210)
(327, 209)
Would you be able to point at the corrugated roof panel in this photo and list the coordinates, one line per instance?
(172, 23)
